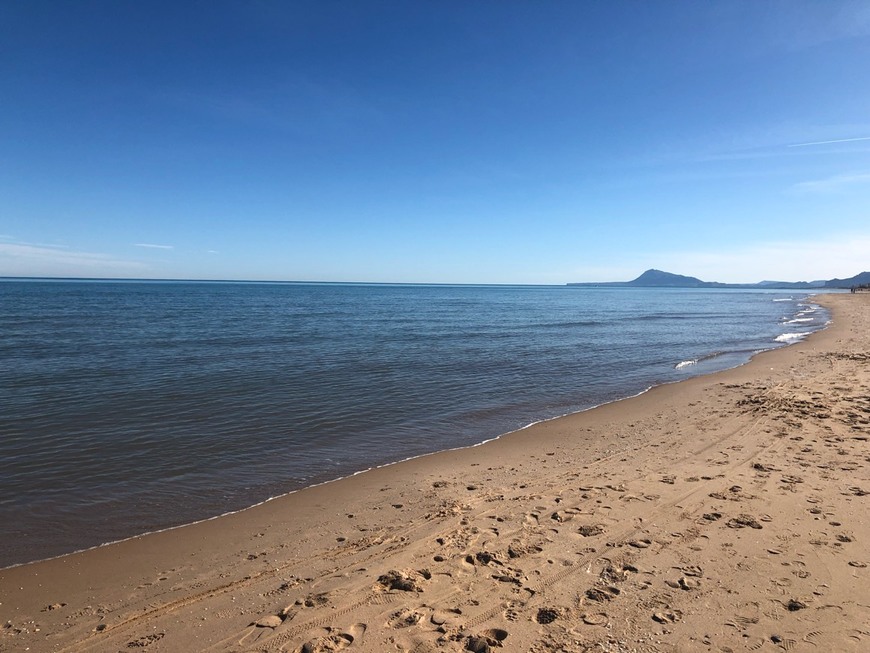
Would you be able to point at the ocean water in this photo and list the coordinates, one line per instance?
(127, 407)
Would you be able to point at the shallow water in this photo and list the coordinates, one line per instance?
(133, 406)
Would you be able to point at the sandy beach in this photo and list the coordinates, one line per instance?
(723, 513)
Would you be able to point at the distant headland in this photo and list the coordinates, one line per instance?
(659, 279)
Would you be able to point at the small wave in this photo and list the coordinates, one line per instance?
(798, 320)
(787, 299)
(791, 337)
(700, 359)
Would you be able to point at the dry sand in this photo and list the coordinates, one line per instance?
(723, 513)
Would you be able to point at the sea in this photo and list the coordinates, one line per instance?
(128, 407)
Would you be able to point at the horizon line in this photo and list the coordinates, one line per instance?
(279, 281)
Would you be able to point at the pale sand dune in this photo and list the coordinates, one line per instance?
(724, 513)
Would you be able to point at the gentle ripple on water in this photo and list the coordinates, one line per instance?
(128, 407)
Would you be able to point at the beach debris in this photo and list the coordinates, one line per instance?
(735, 493)
(485, 558)
(591, 530)
(642, 543)
(146, 640)
(689, 583)
(406, 581)
(53, 606)
(547, 615)
(602, 595)
(505, 578)
(668, 617)
(761, 467)
(743, 521)
(794, 605)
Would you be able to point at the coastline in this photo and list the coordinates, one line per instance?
(681, 365)
(503, 518)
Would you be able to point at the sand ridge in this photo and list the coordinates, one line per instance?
(724, 513)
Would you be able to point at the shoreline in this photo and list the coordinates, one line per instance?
(365, 548)
(783, 344)
(181, 435)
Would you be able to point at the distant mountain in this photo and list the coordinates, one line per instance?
(659, 279)
(791, 284)
(857, 280)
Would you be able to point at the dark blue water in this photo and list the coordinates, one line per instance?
(128, 407)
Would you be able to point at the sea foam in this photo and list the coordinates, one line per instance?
(791, 337)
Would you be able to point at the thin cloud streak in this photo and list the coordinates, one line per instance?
(839, 140)
(832, 184)
(25, 260)
(151, 246)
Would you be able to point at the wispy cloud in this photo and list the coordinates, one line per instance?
(27, 260)
(832, 184)
(837, 140)
(152, 246)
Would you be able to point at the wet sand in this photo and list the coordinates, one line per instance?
(723, 513)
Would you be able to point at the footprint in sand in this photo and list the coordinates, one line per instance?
(446, 617)
(617, 572)
(594, 618)
(486, 641)
(405, 618)
(262, 627)
(332, 639)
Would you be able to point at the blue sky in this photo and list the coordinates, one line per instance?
(458, 142)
